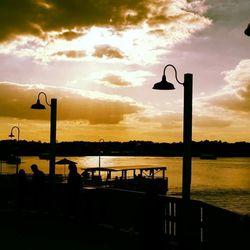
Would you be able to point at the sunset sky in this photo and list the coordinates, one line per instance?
(101, 58)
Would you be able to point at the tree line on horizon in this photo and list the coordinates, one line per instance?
(130, 148)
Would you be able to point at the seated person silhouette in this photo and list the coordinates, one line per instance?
(38, 179)
(74, 186)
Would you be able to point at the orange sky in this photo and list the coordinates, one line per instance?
(100, 59)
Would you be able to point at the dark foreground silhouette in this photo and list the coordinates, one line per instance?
(117, 219)
(38, 188)
(74, 186)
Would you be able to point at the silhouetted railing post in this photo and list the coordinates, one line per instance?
(53, 114)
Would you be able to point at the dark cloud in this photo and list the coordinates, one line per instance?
(107, 51)
(71, 105)
(37, 17)
(161, 17)
(71, 53)
(158, 32)
(20, 18)
(115, 81)
(69, 35)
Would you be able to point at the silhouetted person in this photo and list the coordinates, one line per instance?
(85, 175)
(38, 179)
(74, 186)
(22, 190)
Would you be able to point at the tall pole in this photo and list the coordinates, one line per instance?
(187, 136)
(99, 165)
(53, 114)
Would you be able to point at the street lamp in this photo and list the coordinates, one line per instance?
(53, 111)
(99, 165)
(187, 125)
(11, 135)
(247, 30)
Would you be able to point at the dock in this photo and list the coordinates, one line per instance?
(38, 232)
(112, 218)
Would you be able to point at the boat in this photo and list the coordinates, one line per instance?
(208, 157)
(130, 178)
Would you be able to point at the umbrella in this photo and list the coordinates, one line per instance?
(65, 161)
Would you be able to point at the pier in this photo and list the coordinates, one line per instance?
(110, 217)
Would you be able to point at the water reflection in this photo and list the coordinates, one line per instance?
(224, 181)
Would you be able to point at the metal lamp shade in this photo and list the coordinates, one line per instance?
(164, 84)
(11, 135)
(247, 31)
(38, 105)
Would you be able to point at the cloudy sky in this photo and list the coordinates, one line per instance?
(100, 59)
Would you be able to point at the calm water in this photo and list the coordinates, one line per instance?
(224, 182)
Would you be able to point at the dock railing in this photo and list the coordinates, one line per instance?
(184, 224)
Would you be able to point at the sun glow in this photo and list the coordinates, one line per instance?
(139, 45)
(129, 43)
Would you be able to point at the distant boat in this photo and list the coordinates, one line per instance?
(208, 157)
(129, 178)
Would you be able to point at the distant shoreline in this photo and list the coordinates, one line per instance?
(130, 148)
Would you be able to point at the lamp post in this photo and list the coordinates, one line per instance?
(53, 111)
(99, 162)
(247, 30)
(18, 132)
(187, 125)
(11, 135)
